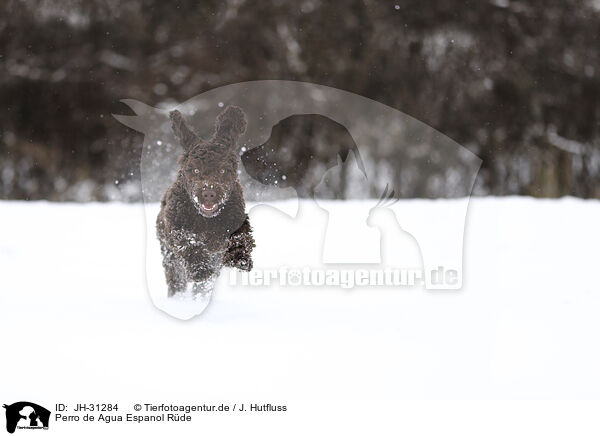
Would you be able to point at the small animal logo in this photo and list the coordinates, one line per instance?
(26, 415)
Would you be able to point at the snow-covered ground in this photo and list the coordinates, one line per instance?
(515, 351)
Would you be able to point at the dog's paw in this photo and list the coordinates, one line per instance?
(238, 257)
(244, 264)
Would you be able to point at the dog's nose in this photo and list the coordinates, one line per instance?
(209, 195)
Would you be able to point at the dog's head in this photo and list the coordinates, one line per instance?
(208, 169)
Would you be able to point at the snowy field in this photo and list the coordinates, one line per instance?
(515, 351)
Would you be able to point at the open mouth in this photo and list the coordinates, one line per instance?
(207, 210)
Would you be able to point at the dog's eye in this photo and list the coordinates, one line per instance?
(196, 171)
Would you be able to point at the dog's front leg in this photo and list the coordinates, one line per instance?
(239, 251)
(199, 264)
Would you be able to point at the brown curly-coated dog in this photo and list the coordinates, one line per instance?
(202, 225)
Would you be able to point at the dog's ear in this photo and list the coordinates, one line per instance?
(184, 133)
(231, 123)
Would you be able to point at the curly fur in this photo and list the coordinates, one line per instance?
(195, 245)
